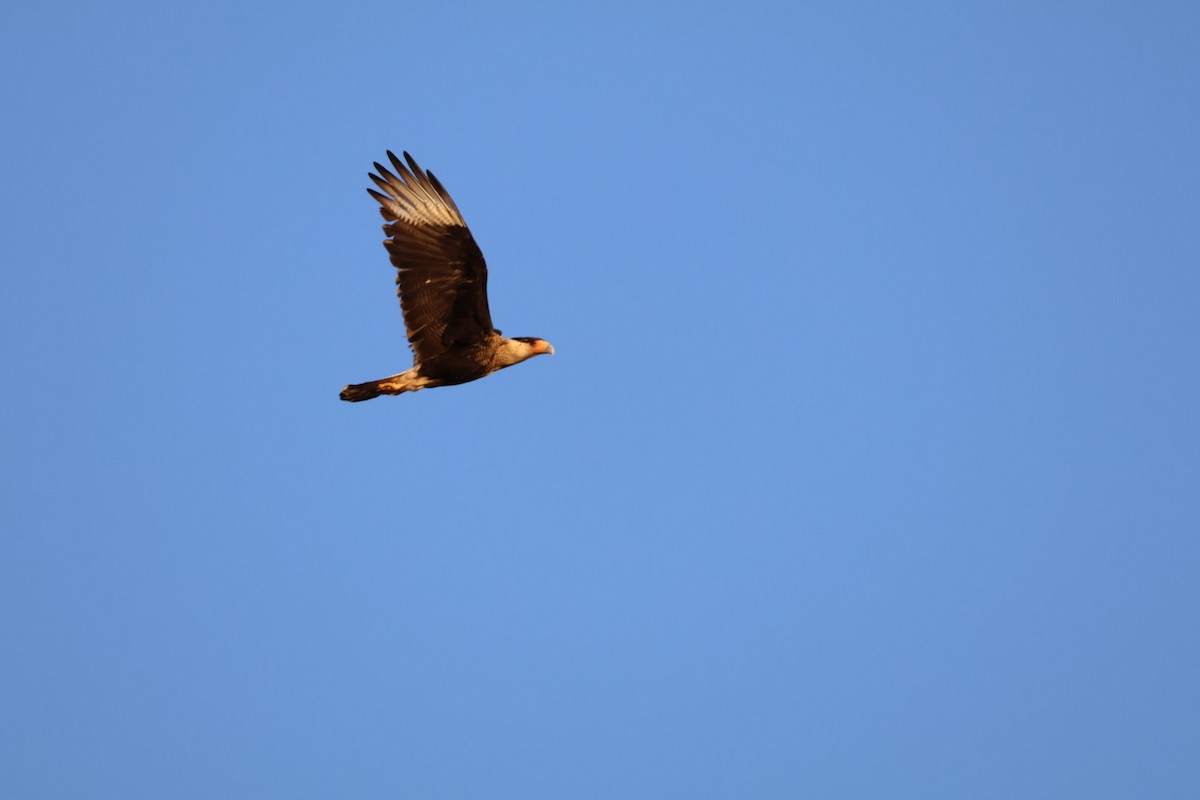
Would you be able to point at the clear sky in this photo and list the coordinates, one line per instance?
(868, 464)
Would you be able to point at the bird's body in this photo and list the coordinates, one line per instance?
(442, 282)
(461, 364)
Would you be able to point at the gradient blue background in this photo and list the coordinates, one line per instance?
(868, 465)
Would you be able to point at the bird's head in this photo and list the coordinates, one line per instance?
(537, 346)
(522, 348)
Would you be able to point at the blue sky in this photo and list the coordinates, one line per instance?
(867, 465)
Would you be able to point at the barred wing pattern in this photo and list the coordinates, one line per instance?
(441, 276)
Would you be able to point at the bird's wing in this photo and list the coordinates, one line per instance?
(441, 275)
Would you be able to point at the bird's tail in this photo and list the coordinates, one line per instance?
(395, 384)
(361, 391)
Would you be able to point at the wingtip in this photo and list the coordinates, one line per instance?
(397, 163)
(412, 163)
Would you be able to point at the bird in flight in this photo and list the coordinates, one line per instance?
(441, 279)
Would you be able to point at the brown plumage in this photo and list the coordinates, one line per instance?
(441, 278)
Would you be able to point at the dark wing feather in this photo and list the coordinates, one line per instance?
(441, 275)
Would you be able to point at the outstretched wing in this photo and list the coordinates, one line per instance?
(441, 275)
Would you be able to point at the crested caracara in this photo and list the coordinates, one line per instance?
(441, 279)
